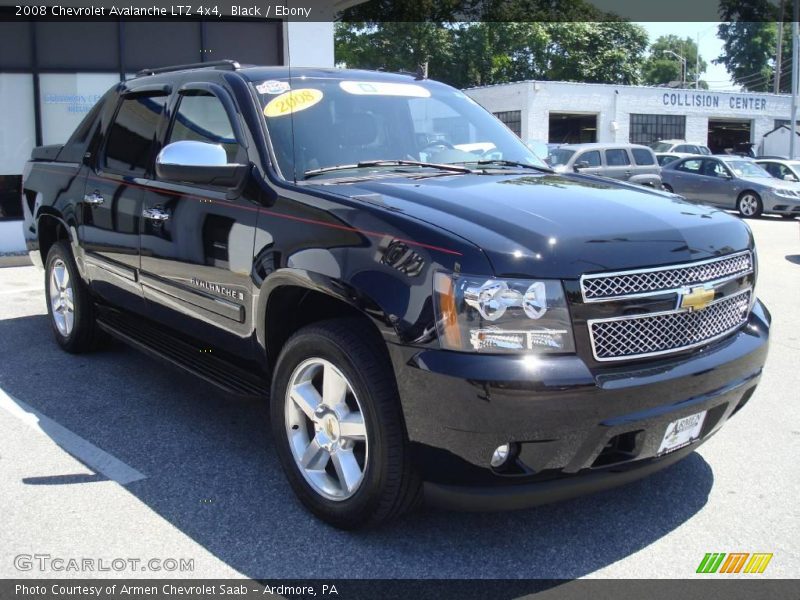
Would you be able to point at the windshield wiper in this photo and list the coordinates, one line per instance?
(512, 163)
(388, 163)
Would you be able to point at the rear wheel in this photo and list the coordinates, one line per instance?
(749, 205)
(338, 427)
(69, 304)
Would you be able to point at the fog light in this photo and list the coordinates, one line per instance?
(501, 455)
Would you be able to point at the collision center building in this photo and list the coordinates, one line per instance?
(564, 112)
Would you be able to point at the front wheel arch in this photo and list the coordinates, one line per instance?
(743, 207)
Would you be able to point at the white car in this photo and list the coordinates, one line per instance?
(788, 170)
(680, 147)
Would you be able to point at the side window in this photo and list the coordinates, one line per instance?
(130, 138)
(685, 148)
(773, 169)
(690, 166)
(783, 171)
(713, 168)
(592, 158)
(202, 118)
(617, 158)
(641, 156)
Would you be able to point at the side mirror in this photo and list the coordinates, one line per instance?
(789, 177)
(583, 164)
(198, 162)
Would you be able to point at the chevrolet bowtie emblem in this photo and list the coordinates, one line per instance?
(697, 299)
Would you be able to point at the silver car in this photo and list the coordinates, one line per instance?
(788, 170)
(628, 162)
(731, 182)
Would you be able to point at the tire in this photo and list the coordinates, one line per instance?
(339, 350)
(667, 188)
(69, 304)
(749, 205)
(788, 217)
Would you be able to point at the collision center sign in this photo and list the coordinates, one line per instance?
(700, 100)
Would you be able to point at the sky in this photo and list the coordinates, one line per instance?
(710, 48)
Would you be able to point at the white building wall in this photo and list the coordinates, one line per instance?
(614, 104)
(308, 44)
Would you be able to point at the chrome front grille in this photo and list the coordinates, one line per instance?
(660, 333)
(602, 287)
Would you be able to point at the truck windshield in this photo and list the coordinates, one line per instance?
(559, 156)
(322, 123)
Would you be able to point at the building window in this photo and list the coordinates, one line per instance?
(787, 122)
(651, 128)
(512, 119)
(17, 138)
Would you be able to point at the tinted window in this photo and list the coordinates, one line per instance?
(592, 158)
(202, 118)
(686, 148)
(714, 168)
(642, 156)
(773, 169)
(703, 150)
(665, 159)
(690, 166)
(131, 136)
(617, 158)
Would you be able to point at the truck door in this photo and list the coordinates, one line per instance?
(618, 164)
(197, 240)
(112, 201)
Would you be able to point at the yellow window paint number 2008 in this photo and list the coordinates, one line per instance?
(292, 102)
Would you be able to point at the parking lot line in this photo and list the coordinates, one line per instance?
(97, 459)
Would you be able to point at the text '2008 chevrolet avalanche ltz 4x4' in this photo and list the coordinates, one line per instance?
(431, 312)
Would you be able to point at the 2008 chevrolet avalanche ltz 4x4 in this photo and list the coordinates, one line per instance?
(438, 314)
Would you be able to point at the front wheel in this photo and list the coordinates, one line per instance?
(749, 205)
(338, 427)
(667, 187)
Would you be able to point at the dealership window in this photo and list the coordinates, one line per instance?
(202, 118)
(17, 138)
(512, 119)
(66, 98)
(131, 137)
(651, 128)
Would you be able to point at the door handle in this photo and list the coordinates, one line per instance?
(94, 198)
(155, 214)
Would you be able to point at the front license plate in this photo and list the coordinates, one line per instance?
(682, 432)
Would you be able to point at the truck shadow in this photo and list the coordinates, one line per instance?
(212, 473)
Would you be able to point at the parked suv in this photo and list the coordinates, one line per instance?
(628, 162)
(429, 312)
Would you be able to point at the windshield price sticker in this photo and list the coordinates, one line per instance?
(292, 102)
(384, 88)
(272, 86)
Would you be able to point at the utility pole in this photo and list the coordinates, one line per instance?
(778, 53)
(795, 69)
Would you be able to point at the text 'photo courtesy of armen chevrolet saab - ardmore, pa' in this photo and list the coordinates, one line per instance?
(371, 295)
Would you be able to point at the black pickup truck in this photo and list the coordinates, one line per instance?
(430, 311)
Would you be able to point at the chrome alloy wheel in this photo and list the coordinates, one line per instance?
(61, 298)
(326, 430)
(748, 205)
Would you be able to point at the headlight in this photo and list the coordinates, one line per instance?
(784, 193)
(484, 314)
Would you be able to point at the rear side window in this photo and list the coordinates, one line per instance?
(591, 158)
(202, 118)
(617, 158)
(642, 156)
(132, 135)
(690, 166)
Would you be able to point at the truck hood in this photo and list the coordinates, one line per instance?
(560, 226)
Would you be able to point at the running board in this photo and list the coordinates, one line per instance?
(156, 342)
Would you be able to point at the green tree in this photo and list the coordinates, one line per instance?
(749, 38)
(662, 67)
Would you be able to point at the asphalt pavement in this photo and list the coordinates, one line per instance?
(172, 469)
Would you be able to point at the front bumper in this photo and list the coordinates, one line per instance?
(780, 205)
(578, 429)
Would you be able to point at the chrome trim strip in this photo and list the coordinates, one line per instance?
(704, 342)
(687, 265)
